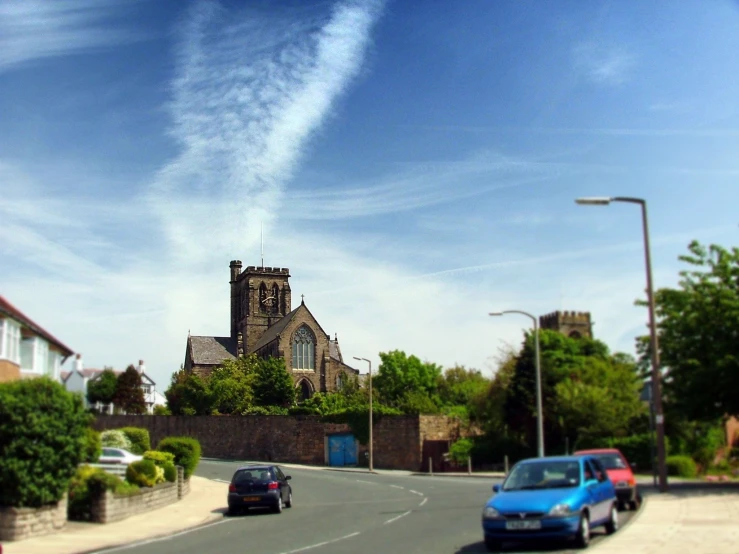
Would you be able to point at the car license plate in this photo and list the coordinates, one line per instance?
(251, 499)
(522, 525)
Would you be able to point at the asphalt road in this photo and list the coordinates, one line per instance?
(338, 512)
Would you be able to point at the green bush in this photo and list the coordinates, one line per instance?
(91, 446)
(87, 484)
(170, 471)
(144, 473)
(681, 466)
(139, 437)
(42, 428)
(186, 452)
(115, 438)
(461, 450)
(159, 458)
(161, 410)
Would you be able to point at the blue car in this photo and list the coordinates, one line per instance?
(561, 497)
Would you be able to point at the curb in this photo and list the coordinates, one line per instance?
(468, 475)
(634, 519)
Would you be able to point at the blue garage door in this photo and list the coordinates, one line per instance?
(342, 450)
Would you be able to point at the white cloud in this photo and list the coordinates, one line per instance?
(603, 64)
(35, 29)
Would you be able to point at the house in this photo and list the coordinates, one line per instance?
(78, 379)
(26, 349)
(264, 323)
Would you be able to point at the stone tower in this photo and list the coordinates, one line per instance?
(260, 296)
(572, 324)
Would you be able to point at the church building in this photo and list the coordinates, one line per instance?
(264, 323)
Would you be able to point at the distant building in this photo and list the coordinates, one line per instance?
(264, 323)
(26, 349)
(573, 324)
(78, 379)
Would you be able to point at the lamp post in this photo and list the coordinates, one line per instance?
(659, 417)
(539, 410)
(370, 408)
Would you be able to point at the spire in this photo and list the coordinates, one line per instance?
(302, 299)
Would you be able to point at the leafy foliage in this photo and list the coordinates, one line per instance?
(681, 466)
(115, 438)
(91, 446)
(88, 483)
(400, 376)
(144, 473)
(186, 452)
(273, 385)
(460, 450)
(698, 324)
(129, 396)
(139, 437)
(42, 432)
(102, 389)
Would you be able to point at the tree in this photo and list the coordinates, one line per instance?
(400, 378)
(459, 385)
(272, 385)
(129, 396)
(102, 389)
(231, 385)
(698, 325)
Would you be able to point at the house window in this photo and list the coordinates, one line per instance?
(10, 337)
(303, 349)
(28, 350)
(52, 365)
(41, 356)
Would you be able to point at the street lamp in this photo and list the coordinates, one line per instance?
(370, 408)
(539, 411)
(656, 378)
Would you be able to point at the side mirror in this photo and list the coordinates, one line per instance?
(496, 488)
(287, 477)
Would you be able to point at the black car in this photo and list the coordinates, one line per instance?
(259, 486)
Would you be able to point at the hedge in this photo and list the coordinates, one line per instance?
(681, 466)
(139, 437)
(186, 452)
(115, 438)
(42, 432)
(91, 446)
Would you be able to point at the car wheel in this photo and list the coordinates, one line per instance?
(278, 506)
(583, 532)
(634, 504)
(289, 503)
(612, 524)
(621, 506)
(492, 545)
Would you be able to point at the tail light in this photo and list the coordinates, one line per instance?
(232, 488)
(632, 482)
(272, 485)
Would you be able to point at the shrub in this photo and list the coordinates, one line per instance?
(91, 446)
(186, 452)
(115, 438)
(461, 450)
(681, 466)
(161, 410)
(170, 471)
(159, 458)
(139, 437)
(88, 483)
(144, 473)
(42, 428)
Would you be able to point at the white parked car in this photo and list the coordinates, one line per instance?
(118, 456)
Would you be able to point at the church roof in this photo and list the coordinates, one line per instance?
(273, 332)
(211, 350)
(334, 351)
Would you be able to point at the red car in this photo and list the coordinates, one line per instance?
(620, 473)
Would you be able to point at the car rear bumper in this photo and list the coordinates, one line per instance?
(253, 499)
(626, 494)
(551, 528)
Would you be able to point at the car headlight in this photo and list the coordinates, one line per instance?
(490, 513)
(560, 510)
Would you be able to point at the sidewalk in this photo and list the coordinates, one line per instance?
(686, 520)
(205, 504)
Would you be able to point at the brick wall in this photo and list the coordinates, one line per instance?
(23, 523)
(9, 371)
(290, 439)
(110, 507)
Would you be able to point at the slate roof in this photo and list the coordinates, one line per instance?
(273, 332)
(9, 310)
(90, 373)
(334, 351)
(211, 350)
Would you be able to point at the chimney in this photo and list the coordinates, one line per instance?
(78, 362)
(141, 367)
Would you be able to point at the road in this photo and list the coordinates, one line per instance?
(338, 512)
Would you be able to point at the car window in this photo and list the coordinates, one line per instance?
(600, 471)
(543, 474)
(612, 461)
(242, 476)
(589, 472)
(113, 453)
(280, 475)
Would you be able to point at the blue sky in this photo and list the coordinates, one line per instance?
(415, 165)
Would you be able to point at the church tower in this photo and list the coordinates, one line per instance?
(573, 324)
(260, 296)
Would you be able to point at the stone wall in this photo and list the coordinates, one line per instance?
(23, 523)
(110, 507)
(290, 439)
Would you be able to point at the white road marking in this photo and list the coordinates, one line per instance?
(396, 518)
(423, 501)
(321, 543)
(397, 487)
(416, 492)
(369, 482)
(160, 539)
(221, 481)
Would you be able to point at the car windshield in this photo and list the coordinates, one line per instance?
(543, 475)
(612, 461)
(252, 474)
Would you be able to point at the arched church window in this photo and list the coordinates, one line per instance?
(275, 299)
(575, 335)
(303, 349)
(340, 380)
(305, 390)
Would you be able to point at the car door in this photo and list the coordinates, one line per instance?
(606, 493)
(593, 487)
(280, 478)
